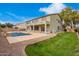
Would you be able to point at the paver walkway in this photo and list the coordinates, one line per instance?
(17, 49)
(5, 47)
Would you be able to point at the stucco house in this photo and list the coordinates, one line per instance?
(49, 23)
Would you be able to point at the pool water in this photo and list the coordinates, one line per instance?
(14, 34)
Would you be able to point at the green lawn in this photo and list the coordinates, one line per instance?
(64, 44)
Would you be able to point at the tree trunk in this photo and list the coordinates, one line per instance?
(72, 25)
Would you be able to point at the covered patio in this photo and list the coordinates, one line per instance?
(40, 27)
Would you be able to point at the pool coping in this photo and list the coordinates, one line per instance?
(25, 37)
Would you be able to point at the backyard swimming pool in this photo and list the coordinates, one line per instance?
(14, 34)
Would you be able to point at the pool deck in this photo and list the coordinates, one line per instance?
(19, 47)
(25, 37)
(17, 44)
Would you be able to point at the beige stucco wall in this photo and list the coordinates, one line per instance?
(48, 18)
(55, 22)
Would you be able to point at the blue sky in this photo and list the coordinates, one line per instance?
(18, 12)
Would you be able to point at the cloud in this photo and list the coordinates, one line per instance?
(9, 17)
(29, 18)
(3, 22)
(53, 8)
(14, 15)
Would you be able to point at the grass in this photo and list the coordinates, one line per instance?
(64, 44)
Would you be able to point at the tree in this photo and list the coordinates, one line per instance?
(77, 17)
(3, 25)
(9, 25)
(68, 16)
(0, 27)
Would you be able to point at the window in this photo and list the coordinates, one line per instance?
(58, 20)
(58, 27)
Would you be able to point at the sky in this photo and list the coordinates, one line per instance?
(20, 12)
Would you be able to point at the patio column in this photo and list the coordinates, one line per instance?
(45, 28)
(33, 27)
(30, 28)
(39, 28)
